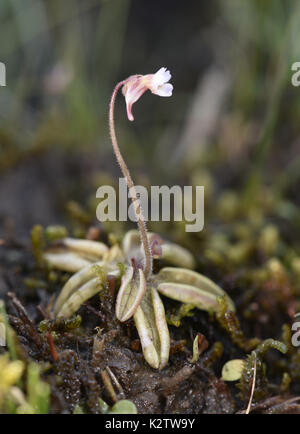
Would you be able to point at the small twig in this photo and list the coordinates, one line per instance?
(115, 380)
(48, 310)
(111, 282)
(41, 310)
(252, 388)
(276, 404)
(108, 386)
(98, 345)
(53, 350)
(25, 318)
(170, 383)
(292, 400)
(96, 312)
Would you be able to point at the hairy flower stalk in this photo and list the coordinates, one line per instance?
(133, 89)
(137, 207)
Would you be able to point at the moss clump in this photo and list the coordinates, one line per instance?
(229, 321)
(254, 362)
(38, 244)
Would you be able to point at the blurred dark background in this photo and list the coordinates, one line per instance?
(232, 123)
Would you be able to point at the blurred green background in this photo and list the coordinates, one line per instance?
(231, 125)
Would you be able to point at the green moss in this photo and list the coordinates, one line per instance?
(185, 310)
(229, 321)
(256, 358)
(55, 232)
(38, 244)
(60, 324)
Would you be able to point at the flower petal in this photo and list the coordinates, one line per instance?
(164, 90)
(161, 77)
(136, 85)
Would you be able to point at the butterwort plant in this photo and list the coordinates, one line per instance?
(139, 288)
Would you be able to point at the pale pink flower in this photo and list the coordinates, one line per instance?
(136, 85)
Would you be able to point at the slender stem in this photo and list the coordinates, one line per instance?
(108, 386)
(136, 203)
